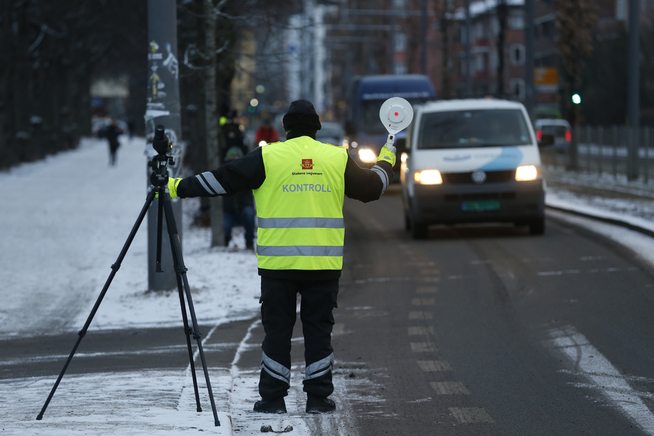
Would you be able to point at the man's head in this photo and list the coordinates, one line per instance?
(301, 116)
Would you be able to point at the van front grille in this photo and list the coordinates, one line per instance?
(491, 177)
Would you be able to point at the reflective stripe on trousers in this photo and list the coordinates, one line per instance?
(275, 369)
(319, 368)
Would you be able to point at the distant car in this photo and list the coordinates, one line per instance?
(560, 129)
(331, 133)
(471, 161)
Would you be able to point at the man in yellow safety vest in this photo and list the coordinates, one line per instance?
(299, 187)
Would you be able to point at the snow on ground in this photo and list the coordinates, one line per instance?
(65, 221)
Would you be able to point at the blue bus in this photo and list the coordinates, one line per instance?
(366, 134)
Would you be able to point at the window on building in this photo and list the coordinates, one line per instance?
(518, 88)
(400, 68)
(516, 21)
(400, 42)
(517, 54)
(621, 9)
(494, 26)
(480, 62)
(479, 30)
(399, 5)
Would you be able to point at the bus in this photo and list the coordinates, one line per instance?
(365, 134)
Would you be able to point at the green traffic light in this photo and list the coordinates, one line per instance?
(576, 98)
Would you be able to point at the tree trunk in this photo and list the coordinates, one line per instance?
(211, 119)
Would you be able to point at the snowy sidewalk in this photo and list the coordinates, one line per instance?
(66, 219)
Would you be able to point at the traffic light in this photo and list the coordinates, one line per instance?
(576, 98)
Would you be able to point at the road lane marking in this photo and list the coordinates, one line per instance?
(426, 289)
(420, 315)
(470, 415)
(421, 331)
(449, 388)
(423, 302)
(596, 368)
(588, 271)
(434, 365)
(429, 279)
(423, 347)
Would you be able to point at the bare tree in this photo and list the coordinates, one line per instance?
(502, 18)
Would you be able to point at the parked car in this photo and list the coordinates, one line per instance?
(470, 161)
(560, 129)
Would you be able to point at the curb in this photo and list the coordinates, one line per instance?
(613, 221)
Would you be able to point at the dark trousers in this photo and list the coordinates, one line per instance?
(245, 218)
(278, 314)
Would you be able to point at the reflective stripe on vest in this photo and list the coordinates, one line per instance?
(288, 223)
(300, 206)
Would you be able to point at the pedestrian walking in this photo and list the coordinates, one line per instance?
(112, 132)
(299, 187)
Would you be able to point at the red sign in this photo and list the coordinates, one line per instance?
(307, 164)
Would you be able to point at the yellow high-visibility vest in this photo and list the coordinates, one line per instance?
(300, 206)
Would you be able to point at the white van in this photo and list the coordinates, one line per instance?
(470, 161)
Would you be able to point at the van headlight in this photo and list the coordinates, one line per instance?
(428, 177)
(525, 173)
(367, 155)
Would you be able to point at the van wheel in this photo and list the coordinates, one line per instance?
(419, 230)
(537, 226)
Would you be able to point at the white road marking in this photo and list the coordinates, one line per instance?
(470, 415)
(591, 271)
(591, 364)
(434, 365)
(421, 330)
(423, 347)
(450, 388)
(420, 315)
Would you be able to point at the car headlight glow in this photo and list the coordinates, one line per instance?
(262, 143)
(428, 177)
(526, 172)
(367, 155)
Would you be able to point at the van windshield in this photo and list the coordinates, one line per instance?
(473, 128)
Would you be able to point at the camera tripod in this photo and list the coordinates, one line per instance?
(159, 180)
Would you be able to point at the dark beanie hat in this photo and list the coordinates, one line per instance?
(301, 115)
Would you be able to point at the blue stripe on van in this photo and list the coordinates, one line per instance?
(509, 159)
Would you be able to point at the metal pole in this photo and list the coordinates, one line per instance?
(589, 135)
(163, 107)
(600, 140)
(646, 160)
(633, 87)
(616, 140)
(529, 59)
(468, 77)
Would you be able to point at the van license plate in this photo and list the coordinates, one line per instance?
(480, 206)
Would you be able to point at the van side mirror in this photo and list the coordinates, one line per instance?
(546, 140)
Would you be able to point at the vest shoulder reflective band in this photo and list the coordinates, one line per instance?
(300, 206)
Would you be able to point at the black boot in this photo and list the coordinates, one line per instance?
(278, 405)
(316, 404)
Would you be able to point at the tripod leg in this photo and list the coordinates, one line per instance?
(180, 269)
(114, 270)
(187, 332)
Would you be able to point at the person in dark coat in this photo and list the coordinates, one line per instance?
(238, 209)
(112, 132)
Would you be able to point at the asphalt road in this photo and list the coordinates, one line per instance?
(487, 330)
(479, 330)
